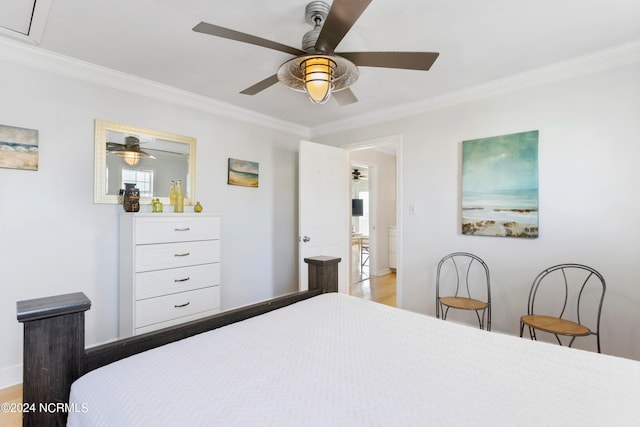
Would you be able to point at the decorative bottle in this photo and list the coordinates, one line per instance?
(172, 194)
(197, 208)
(179, 203)
(156, 205)
(131, 200)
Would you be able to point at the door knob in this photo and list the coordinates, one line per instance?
(305, 239)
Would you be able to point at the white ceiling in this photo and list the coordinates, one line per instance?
(478, 41)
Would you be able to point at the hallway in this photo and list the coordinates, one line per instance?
(380, 289)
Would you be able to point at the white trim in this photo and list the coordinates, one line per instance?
(10, 375)
(618, 56)
(383, 272)
(36, 57)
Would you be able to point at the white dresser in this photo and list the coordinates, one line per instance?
(169, 270)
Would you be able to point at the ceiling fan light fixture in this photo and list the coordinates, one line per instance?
(318, 78)
(131, 152)
(131, 158)
(318, 75)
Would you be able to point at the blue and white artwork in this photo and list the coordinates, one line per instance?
(18, 148)
(243, 173)
(500, 186)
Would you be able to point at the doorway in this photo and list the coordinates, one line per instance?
(375, 171)
(360, 220)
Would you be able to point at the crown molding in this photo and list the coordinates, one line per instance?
(618, 56)
(36, 57)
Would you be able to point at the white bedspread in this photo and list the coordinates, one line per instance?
(336, 360)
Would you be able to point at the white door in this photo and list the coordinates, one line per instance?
(323, 216)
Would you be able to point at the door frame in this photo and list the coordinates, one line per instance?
(373, 143)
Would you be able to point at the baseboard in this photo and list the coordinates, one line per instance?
(11, 375)
(384, 271)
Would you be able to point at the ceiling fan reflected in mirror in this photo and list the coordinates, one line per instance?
(130, 151)
(317, 69)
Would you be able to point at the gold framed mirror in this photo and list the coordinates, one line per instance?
(148, 158)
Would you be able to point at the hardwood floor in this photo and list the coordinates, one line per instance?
(380, 289)
(10, 395)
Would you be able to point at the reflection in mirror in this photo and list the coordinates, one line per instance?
(147, 158)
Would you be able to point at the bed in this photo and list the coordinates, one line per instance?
(332, 359)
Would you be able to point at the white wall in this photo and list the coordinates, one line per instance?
(589, 148)
(54, 240)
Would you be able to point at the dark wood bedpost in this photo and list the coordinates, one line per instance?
(323, 273)
(53, 355)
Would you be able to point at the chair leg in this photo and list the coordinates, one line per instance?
(560, 342)
(480, 321)
(521, 328)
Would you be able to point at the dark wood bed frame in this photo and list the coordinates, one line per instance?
(55, 355)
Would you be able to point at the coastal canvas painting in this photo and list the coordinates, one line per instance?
(18, 148)
(243, 173)
(500, 186)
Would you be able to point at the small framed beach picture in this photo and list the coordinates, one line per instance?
(18, 148)
(243, 173)
(500, 186)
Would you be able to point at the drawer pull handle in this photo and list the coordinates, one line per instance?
(185, 254)
(182, 280)
(182, 305)
(181, 229)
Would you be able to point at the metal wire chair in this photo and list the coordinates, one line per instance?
(582, 292)
(468, 287)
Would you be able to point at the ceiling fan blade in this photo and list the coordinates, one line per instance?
(214, 30)
(260, 86)
(342, 15)
(403, 60)
(344, 97)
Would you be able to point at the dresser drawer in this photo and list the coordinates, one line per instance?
(170, 255)
(174, 306)
(177, 321)
(162, 282)
(176, 229)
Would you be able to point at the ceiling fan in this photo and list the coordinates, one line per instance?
(357, 175)
(317, 69)
(130, 150)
